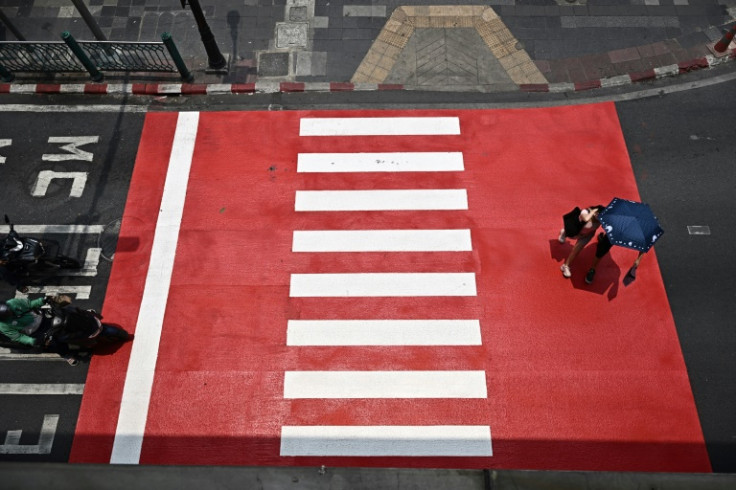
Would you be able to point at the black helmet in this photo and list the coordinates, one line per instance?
(5, 312)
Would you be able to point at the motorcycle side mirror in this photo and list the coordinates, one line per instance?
(7, 220)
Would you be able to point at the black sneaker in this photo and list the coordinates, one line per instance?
(589, 276)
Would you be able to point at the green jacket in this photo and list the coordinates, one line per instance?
(23, 316)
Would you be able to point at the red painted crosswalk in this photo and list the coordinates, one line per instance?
(382, 288)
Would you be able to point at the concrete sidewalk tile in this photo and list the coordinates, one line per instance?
(659, 48)
(621, 55)
(632, 66)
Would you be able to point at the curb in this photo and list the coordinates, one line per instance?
(163, 89)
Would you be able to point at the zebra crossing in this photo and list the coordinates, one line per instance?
(383, 440)
(363, 288)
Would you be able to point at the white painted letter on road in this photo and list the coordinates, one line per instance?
(73, 142)
(3, 144)
(46, 176)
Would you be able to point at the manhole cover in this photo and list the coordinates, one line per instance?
(291, 34)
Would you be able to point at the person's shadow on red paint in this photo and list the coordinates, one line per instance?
(607, 273)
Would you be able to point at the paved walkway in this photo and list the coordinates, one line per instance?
(472, 45)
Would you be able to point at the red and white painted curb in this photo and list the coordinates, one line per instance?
(267, 86)
(707, 61)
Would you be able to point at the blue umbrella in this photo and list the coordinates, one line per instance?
(630, 224)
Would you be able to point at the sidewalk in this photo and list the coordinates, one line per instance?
(337, 45)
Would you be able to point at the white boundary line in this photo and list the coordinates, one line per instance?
(142, 364)
(41, 389)
(60, 229)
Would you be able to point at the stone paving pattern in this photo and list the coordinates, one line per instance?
(330, 40)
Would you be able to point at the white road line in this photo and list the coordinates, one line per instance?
(381, 241)
(380, 162)
(142, 364)
(58, 229)
(45, 439)
(382, 285)
(41, 389)
(383, 332)
(378, 126)
(79, 292)
(89, 269)
(386, 440)
(72, 108)
(385, 384)
(382, 200)
(8, 355)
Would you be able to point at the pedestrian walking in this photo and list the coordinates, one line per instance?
(581, 226)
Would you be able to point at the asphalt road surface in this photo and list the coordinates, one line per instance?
(681, 148)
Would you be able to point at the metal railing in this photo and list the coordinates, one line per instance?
(71, 55)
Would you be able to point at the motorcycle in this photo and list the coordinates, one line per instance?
(78, 329)
(70, 331)
(23, 257)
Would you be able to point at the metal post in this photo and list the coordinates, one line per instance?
(80, 54)
(186, 75)
(89, 20)
(6, 75)
(216, 60)
(4, 19)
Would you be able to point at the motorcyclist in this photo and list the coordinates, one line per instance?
(21, 323)
(17, 319)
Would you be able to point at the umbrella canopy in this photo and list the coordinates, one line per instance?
(630, 224)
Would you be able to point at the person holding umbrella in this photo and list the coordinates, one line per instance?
(628, 224)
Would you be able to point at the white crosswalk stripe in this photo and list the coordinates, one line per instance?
(394, 440)
(379, 162)
(382, 284)
(382, 200)
(317, 286)
(379, 126)
(383, 332)
(381, 241)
